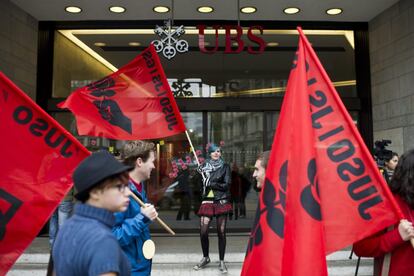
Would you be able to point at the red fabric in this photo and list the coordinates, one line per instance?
(137, 185)
(38, 157)
(402, 256)
(214, 209)
(133, 103)
(323, 190)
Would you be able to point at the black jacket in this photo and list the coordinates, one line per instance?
(219, 182)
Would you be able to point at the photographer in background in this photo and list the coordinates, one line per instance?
(386, 160)
(389, 167)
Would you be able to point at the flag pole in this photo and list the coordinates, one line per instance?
(193, 150)
(160, 221)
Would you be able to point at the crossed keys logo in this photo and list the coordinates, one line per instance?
(275, 204)
(169, 44)
(181, 89)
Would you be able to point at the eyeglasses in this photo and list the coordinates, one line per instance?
(121, 187)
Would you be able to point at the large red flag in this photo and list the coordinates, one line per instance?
(38, 157)
(135, 102)
(323, 190)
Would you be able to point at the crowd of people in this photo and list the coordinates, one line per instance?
(108, 229)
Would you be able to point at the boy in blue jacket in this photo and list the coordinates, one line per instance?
(85, 244)
(132, 226)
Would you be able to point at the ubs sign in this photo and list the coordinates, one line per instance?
(230, 39)
(169, 43)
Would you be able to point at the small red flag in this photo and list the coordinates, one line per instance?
(323, 190)
(38, 158)
(133, 103)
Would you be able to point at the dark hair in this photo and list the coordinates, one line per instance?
(264, 158)
(388, 159)
(103, 184)
(402, 182)
(136, 149)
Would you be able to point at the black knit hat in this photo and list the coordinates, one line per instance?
(94, 169)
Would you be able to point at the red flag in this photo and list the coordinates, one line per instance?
(323, 190)
(133, 103)
(38, 157)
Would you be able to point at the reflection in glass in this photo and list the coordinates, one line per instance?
(79, 60)
(241, 137)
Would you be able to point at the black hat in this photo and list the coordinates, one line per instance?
(94, 169)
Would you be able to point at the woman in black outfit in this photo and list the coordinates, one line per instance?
(215, 203)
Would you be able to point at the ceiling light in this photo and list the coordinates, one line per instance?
(334, 11)
(161, 9)
(205, 9)
(73, 9)
(248, 10)
(117, 9)
(291, 10)
(100, 44)
(134, 44)
(272, 44)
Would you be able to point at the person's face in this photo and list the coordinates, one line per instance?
(392, 163)
(215, 155)
(114, 196)
(259, 173)
(146, 167)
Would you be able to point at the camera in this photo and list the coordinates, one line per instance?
(381, 154)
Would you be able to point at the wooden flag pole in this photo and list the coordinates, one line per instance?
(160, 221)
(193, 150)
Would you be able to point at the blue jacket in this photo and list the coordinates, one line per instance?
(86, 246)
(131, 230)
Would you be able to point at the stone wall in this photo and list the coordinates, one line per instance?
(391, 39)
(18, 46)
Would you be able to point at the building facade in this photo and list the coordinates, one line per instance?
(230, 96)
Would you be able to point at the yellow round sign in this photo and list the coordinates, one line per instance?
(148, 249)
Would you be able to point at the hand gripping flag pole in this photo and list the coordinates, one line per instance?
(160, 221)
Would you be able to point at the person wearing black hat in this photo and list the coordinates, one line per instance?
(132, 226)
(85, 244)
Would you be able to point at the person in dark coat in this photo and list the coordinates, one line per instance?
(216, 202)
(183, 192)
(85, 244)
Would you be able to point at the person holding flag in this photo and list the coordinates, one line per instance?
(260, 166)
(85, 245)
(37, 170)
(215, 203)
(323, 190)
(131, 227)
(394, 255)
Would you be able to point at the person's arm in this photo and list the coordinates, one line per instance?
(109, 274)
(384, 242)
(127, 229)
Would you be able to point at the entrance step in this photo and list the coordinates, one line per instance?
(178, 255)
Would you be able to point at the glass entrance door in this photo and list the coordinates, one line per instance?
(176, 187)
